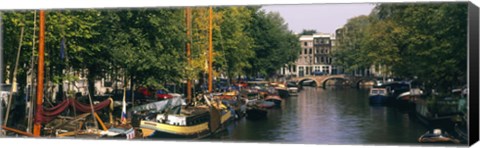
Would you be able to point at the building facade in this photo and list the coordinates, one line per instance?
(314, 57)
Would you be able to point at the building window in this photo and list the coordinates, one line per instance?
(310, 51)
(301, 71)
(305, 43)
(305, 51)
(316, 50)
(322, 60)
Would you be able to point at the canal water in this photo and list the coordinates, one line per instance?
(333, 115)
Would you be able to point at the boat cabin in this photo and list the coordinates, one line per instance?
(378, 92)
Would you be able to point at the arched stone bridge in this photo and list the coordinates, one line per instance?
(321, 81)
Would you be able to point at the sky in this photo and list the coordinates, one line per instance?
(324, 18)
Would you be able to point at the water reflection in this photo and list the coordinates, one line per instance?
(334, 115)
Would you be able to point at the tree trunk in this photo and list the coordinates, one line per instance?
(132, 89)
(91, 80)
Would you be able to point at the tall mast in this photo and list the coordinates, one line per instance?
(32, 103)
(189, 59)
(210, 50)
(41, 53)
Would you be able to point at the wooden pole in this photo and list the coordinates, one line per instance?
(17, 131)
(189, 59)
(41, 53)
(14, 78)
(100, 121)
(210, 51)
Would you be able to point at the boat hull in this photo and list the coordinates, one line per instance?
(275, 99)
(439, 137)
(184, 131)
(378, 99)
(256, 114)
(283, 93)
(197, 131)
(293, 91)
(266, 104)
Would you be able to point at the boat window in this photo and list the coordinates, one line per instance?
(374, 92)
(381, 92)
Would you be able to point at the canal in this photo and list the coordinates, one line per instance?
(328, 116)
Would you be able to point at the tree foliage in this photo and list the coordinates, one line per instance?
(275, 45)
(148, 45)
(308, 32)
(424, 41)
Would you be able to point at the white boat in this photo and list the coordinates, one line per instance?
(410, 96)
(292, 90)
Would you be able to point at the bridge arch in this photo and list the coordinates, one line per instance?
(324, 81)
(365, 79)
(299, 82)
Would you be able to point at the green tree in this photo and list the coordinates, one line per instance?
(235, 43)
(349, 52)
(275, 45)
(431, 41)
(424, 41)
(308, 32)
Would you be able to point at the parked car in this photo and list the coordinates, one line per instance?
(162, 94)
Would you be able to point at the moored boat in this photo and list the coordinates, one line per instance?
(292, 88)
(437, 110)
(378, 96)
(275, 99)
(308, 83)
(407, 99)
(282, 91)
(173, 120)
(437, 136)
(266, 104)
(255, 113)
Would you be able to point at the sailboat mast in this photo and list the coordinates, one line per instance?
(41, 53)
(31, 102)
(210, 50)
(189, 59)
